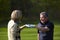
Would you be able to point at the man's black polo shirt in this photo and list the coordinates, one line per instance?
(48, 35)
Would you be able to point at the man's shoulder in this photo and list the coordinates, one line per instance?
(50, 22)
(39, 24)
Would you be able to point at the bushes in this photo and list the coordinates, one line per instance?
(4, 9)
(30, 8)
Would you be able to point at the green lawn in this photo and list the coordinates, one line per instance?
(29, 33)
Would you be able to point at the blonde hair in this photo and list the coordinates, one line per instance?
(16, 14)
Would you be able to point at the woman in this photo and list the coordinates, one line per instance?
(13, 25)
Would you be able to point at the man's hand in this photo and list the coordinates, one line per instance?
(44, 29)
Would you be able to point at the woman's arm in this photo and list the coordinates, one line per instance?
(21, 27)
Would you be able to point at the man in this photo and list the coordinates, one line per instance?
(45, 27)
(13, 25)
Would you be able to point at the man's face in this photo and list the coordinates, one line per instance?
(43, 19)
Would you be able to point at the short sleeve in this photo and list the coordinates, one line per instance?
(38, 25)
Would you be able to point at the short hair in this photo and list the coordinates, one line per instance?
(16, 14)
(44, 13)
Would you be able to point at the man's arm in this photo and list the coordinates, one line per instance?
(48, 28)
(43, 29)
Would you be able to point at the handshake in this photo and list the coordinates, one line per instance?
(29, 25)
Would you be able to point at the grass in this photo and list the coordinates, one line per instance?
(29, 33)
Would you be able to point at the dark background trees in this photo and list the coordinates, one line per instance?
(30, 9)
